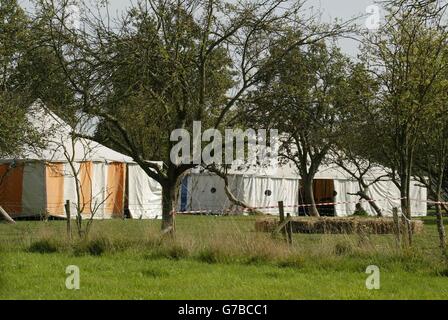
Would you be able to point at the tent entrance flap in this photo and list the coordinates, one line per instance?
(11, 188)
(324, 192)
(116, 178)
(184, 194)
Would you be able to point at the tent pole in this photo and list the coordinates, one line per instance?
(6, 216)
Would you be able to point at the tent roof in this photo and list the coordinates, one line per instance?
(269, 168)
(289, 171)
(59, 146)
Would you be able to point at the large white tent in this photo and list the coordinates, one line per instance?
(257, 186)
(263, 187)
(384, 192)
(40, 182)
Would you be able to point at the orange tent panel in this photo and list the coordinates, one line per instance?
(85, 178)
(55, 188)
(116, 177)
(11, 188)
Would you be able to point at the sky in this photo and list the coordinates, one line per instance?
(331, 9)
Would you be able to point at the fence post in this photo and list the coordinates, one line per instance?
(404, 231)
(281, 210)
(397, 226)
(67, 212)
(289, 228)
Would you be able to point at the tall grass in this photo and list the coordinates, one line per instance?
(226, 240)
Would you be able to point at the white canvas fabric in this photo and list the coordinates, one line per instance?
(284, 183)
(70, 187)
(58, 141)
(386, 194)
(99, 195)
(207, 192)
(266, 192)
(33, 196)
(145, 194)
(99, 192)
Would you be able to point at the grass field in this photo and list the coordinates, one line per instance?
(213, 258)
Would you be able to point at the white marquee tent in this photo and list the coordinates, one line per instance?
(264, 187)
(110, 183)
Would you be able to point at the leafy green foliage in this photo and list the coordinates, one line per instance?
(15, 131)
(304, 97)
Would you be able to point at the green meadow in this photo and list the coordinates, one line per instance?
(213, 258)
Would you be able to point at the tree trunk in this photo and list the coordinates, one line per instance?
(308, 194)
(440, 227)
(439, 214)
(375, 207)
(363, 195)
(444, 207)
(406, 205)
(168, 207)
(404, 196)
(229, 193)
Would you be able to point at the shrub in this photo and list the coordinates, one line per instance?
(209, 255)
(291, 262)
(360, 213)
(98, 246)
(94, 247)
(44, 246)
(442, 273)
(169, 250)
(343, 248)
(176, 252)
(257, 258)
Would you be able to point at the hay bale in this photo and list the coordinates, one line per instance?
(337, 225)
(328, 225)
(266, 225)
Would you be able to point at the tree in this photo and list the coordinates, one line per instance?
(27, 73)
(87, 204)
(361, 170)
(16, 134)
(14, 129)
(404, 58)
(425, 8)
(353, 151)
(165, 64)
(303, 97)
(432, 150)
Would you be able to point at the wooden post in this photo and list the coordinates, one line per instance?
(397, 227)
(289, 228)
(282, 217)
(404, 231)
(409, 230)
(6, 216)
(67, 212)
